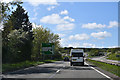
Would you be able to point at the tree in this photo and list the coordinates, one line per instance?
(43, 35)
(6, 8)
(18, 20)
(16, 41)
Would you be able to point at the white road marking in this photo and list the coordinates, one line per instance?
(99, 72)
(57, 71)
(54, 74)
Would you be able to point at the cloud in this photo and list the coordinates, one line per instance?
(65, 12)
(62, 27)
(43, 2)
(100, 26)
(113, 24)
(89, 45)
(53, 19)
(113, 46)
(93, 26)
(35, 2)
(61, 35)
(101, 35)
(35, 26)
(69, 18)
(63, 42)
(6, 1)
(62, 23)
(75, 45)
(50, 8)
(79, 37)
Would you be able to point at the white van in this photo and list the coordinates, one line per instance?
(77, 56)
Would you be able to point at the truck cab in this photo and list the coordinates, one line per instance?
(77, 56)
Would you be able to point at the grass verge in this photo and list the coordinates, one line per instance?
(21, 65)
(113, 57)
(108, 67)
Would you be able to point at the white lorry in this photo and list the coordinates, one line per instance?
(77, 56)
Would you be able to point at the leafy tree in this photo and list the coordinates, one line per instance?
(16, 41)
(18, 20)
(94, 52)
(6, 8)
(43, 35)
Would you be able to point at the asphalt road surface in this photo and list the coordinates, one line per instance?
(60, 69)
(103, 59)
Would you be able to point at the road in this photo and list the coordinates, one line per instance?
(103, 59)
(59, 69)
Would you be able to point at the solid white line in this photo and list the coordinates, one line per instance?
(99, 72)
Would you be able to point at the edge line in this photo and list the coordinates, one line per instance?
(99, 72)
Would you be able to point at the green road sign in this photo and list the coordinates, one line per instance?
(48, 48)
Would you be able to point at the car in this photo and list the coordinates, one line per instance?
(66, 58)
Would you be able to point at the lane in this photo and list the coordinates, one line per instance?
(78, 72)
(59, 69)
(99, 72)
(40, 71)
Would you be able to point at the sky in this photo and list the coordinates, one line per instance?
(79, 24)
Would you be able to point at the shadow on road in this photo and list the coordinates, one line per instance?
(79, 67)
(85, 65)
(34, 70)
(57, 79)
(51, 69)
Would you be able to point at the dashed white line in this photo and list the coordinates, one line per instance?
(57, 71)
(54, 74)
(99, 72)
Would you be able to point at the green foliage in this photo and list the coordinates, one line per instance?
(113, 56)
(43, 35)
(6, 8)
(108, 67)
(94, 52)
(15, 66)
(17, 37)
(113, 50)
(17, 40)
(22, 65)
(20, 20)
(17, 20)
